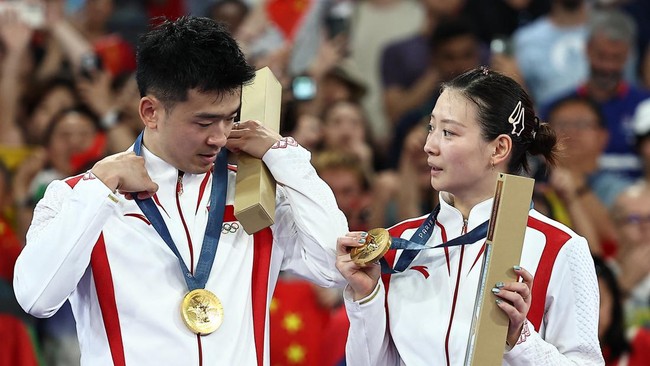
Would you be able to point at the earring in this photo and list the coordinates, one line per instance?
(492, 164)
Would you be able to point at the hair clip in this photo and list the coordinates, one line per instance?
(536, 127)
(516, 119)
(485, 70)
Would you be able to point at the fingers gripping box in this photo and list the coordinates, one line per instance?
(255, 186)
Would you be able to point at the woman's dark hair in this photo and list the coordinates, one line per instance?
(614, 339)
(500, 101)
(190, 53)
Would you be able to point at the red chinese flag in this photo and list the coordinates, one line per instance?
(16, 348)
(116, 54)
(10, 248)
(297, 324)
(287, 15)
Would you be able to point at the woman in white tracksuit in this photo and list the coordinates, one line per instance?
(483, 124)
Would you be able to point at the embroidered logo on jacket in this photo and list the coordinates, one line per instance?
(284, 142)
(422, 269)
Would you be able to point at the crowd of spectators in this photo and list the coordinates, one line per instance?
(360, 78)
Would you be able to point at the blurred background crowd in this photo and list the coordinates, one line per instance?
(360, 78)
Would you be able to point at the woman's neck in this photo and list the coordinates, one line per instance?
(466, 204)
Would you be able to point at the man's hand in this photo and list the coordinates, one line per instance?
(252, 138)
(125, 172)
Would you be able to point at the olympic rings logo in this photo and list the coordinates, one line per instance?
(229, 227)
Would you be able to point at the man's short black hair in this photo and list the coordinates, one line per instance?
(190, 53)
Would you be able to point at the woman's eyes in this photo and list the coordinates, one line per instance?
(445, 133)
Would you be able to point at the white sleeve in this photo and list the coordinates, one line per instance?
(65, 227)
(571, 315)
(307, 219)
(369, 342)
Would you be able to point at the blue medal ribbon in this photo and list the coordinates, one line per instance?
(213, 228)
(417, 242)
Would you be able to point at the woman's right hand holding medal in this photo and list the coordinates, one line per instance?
(361, 279)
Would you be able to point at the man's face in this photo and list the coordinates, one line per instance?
(191, 134)
(456, 56)
(577, 126)
(344, 126)
(347, 189)
(607, 60)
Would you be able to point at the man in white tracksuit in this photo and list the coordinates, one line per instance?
(90, 241)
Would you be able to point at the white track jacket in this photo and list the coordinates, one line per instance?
(125, 285)
(423, 315)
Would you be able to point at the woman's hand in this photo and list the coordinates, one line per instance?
(517, 296)
(362, 280)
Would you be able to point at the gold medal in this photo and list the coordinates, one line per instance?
(377, 244)
(202, 311)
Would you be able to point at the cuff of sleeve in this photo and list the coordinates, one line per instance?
(524, 346)
(94, 190)
(285, 159)
(375, 298)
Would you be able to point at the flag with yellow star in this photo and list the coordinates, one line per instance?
(298, 323)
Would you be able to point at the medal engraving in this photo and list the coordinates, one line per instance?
(377, 244)
(202, 311)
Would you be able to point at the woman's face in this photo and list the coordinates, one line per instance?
(458, 155)
(73, 134)
(58, 99)
(344, 126)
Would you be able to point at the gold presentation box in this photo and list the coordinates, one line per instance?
(255, 186)
(505, 240)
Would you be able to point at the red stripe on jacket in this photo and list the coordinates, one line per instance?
(555, 240)
(262, 246)
(396, 232)
(101, 270)
(72, 181)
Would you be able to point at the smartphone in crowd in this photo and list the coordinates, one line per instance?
(90, 63)
(501, 46)
(303, 88)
